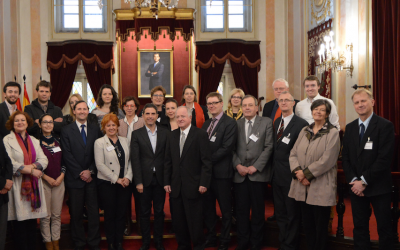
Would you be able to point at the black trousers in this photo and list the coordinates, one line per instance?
(136, 198)
(24, 234)
(360, 207)
(315, 221)
(288, 216)
(115, 199)
(153, 195)
(79, 197)
(188, 222)
(3, 223)
(220, 190)
(249, 195)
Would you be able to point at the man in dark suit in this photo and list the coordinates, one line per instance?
(155, 72)
(367, 155)
(287, 211)
(42, 105)
(6, 183)
(148, 153)
(271, 109)
(11, 91)
(77, 143)
(222, 135)
(252, 165)
(187, 176)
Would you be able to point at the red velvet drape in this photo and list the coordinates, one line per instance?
(386, 59)
(245, 60)
(62, 62)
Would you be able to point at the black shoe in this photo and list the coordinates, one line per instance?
(210, 243)
(119, 246)
(95, 248)
(223, 246)
(111, 247)
(79, 248)
(255, 248)
(272, 218)
(145, 247)
(159, 246)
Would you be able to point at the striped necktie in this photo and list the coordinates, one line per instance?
(280, 131)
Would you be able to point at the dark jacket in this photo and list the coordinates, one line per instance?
(92, 119)
(282, 175)
(205, 112)
(157, 79)
(143, 157)
(269, 107)
(222, 148)
(193, 169)
(6, 171)
(4, 116)
(373, 164)
(35, 111)
(78, 156)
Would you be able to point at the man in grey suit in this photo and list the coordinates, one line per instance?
(252, 165)
(287, 210)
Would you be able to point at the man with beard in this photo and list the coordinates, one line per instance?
(11, 90)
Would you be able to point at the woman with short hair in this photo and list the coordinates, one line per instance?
(235, 104)
(199, 112)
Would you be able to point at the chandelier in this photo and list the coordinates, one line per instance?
(154, 5)
(330, 57)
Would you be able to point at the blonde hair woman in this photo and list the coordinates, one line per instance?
(235, 104)
(70, 118)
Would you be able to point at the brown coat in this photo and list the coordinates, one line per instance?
(317, 158)
(123, 127)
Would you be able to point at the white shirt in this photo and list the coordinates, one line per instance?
(303, 110)
(246, 125)
(80, 128)
(130, 127)
(186, 132)
(286, 121)
(11, 107)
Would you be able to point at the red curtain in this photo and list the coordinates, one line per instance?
(386, 59)
(245, 60)
(315, 39)
(62, 62)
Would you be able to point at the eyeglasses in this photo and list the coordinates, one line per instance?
(280, 89)
(129, 106)
(284, 100)
(212, 103)
(236, 97)
(47, 122)
(158, 96)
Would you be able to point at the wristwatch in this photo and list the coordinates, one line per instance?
(363, 183)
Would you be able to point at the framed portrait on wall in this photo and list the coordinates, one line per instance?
(155, 68)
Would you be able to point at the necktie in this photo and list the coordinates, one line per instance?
(182, 143)
(83, 133)
(362, 132)
(154, 65)
(210, 129)
(280, 131)
(249, 131)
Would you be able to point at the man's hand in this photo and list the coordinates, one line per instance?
(139, 188)
(300, 175)
(202, 189)
(251, 170)
(85, 174)
(9, 184)
(59, 119)
(88, 180)
(243, 171)
(305, 182)
(357, 188)
(148, 71)
(167, 188)
(154, 73)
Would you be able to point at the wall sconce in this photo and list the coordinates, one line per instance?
(331, 58)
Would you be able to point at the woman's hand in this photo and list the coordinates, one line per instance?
(300, 175)
(49, 179)
(121, 182)
(58, 181)
(37, 173)
(305, 182)
(125, 181)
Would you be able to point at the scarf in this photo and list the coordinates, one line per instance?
(30, 184)
(323, 131)
(239, 114)
(200, 119)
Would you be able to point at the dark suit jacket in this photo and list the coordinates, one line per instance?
(78, 156)
(282, 175)
(205, 112)
(143, 157)
(92, 119)
(373, 164)
(6, 172)
(35, 111)
(155, 80)
(269, 107)
(4, 116)
(222, 148)
(191, 170)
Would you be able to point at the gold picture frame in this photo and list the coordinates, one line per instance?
(147, 71)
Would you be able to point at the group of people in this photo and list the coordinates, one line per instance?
(103, 157)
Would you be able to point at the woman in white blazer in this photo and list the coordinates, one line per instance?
(114, 175)
(27, 200)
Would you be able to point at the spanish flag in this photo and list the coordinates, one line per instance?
(19, 105)
(26, 97)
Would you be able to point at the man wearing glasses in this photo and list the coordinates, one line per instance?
(271, 109)
(222, 134)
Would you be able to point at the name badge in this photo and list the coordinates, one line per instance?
(110, 148)
(56, 149)
(159, 119)
(286, 140)
(213, 138)
(253, 137)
